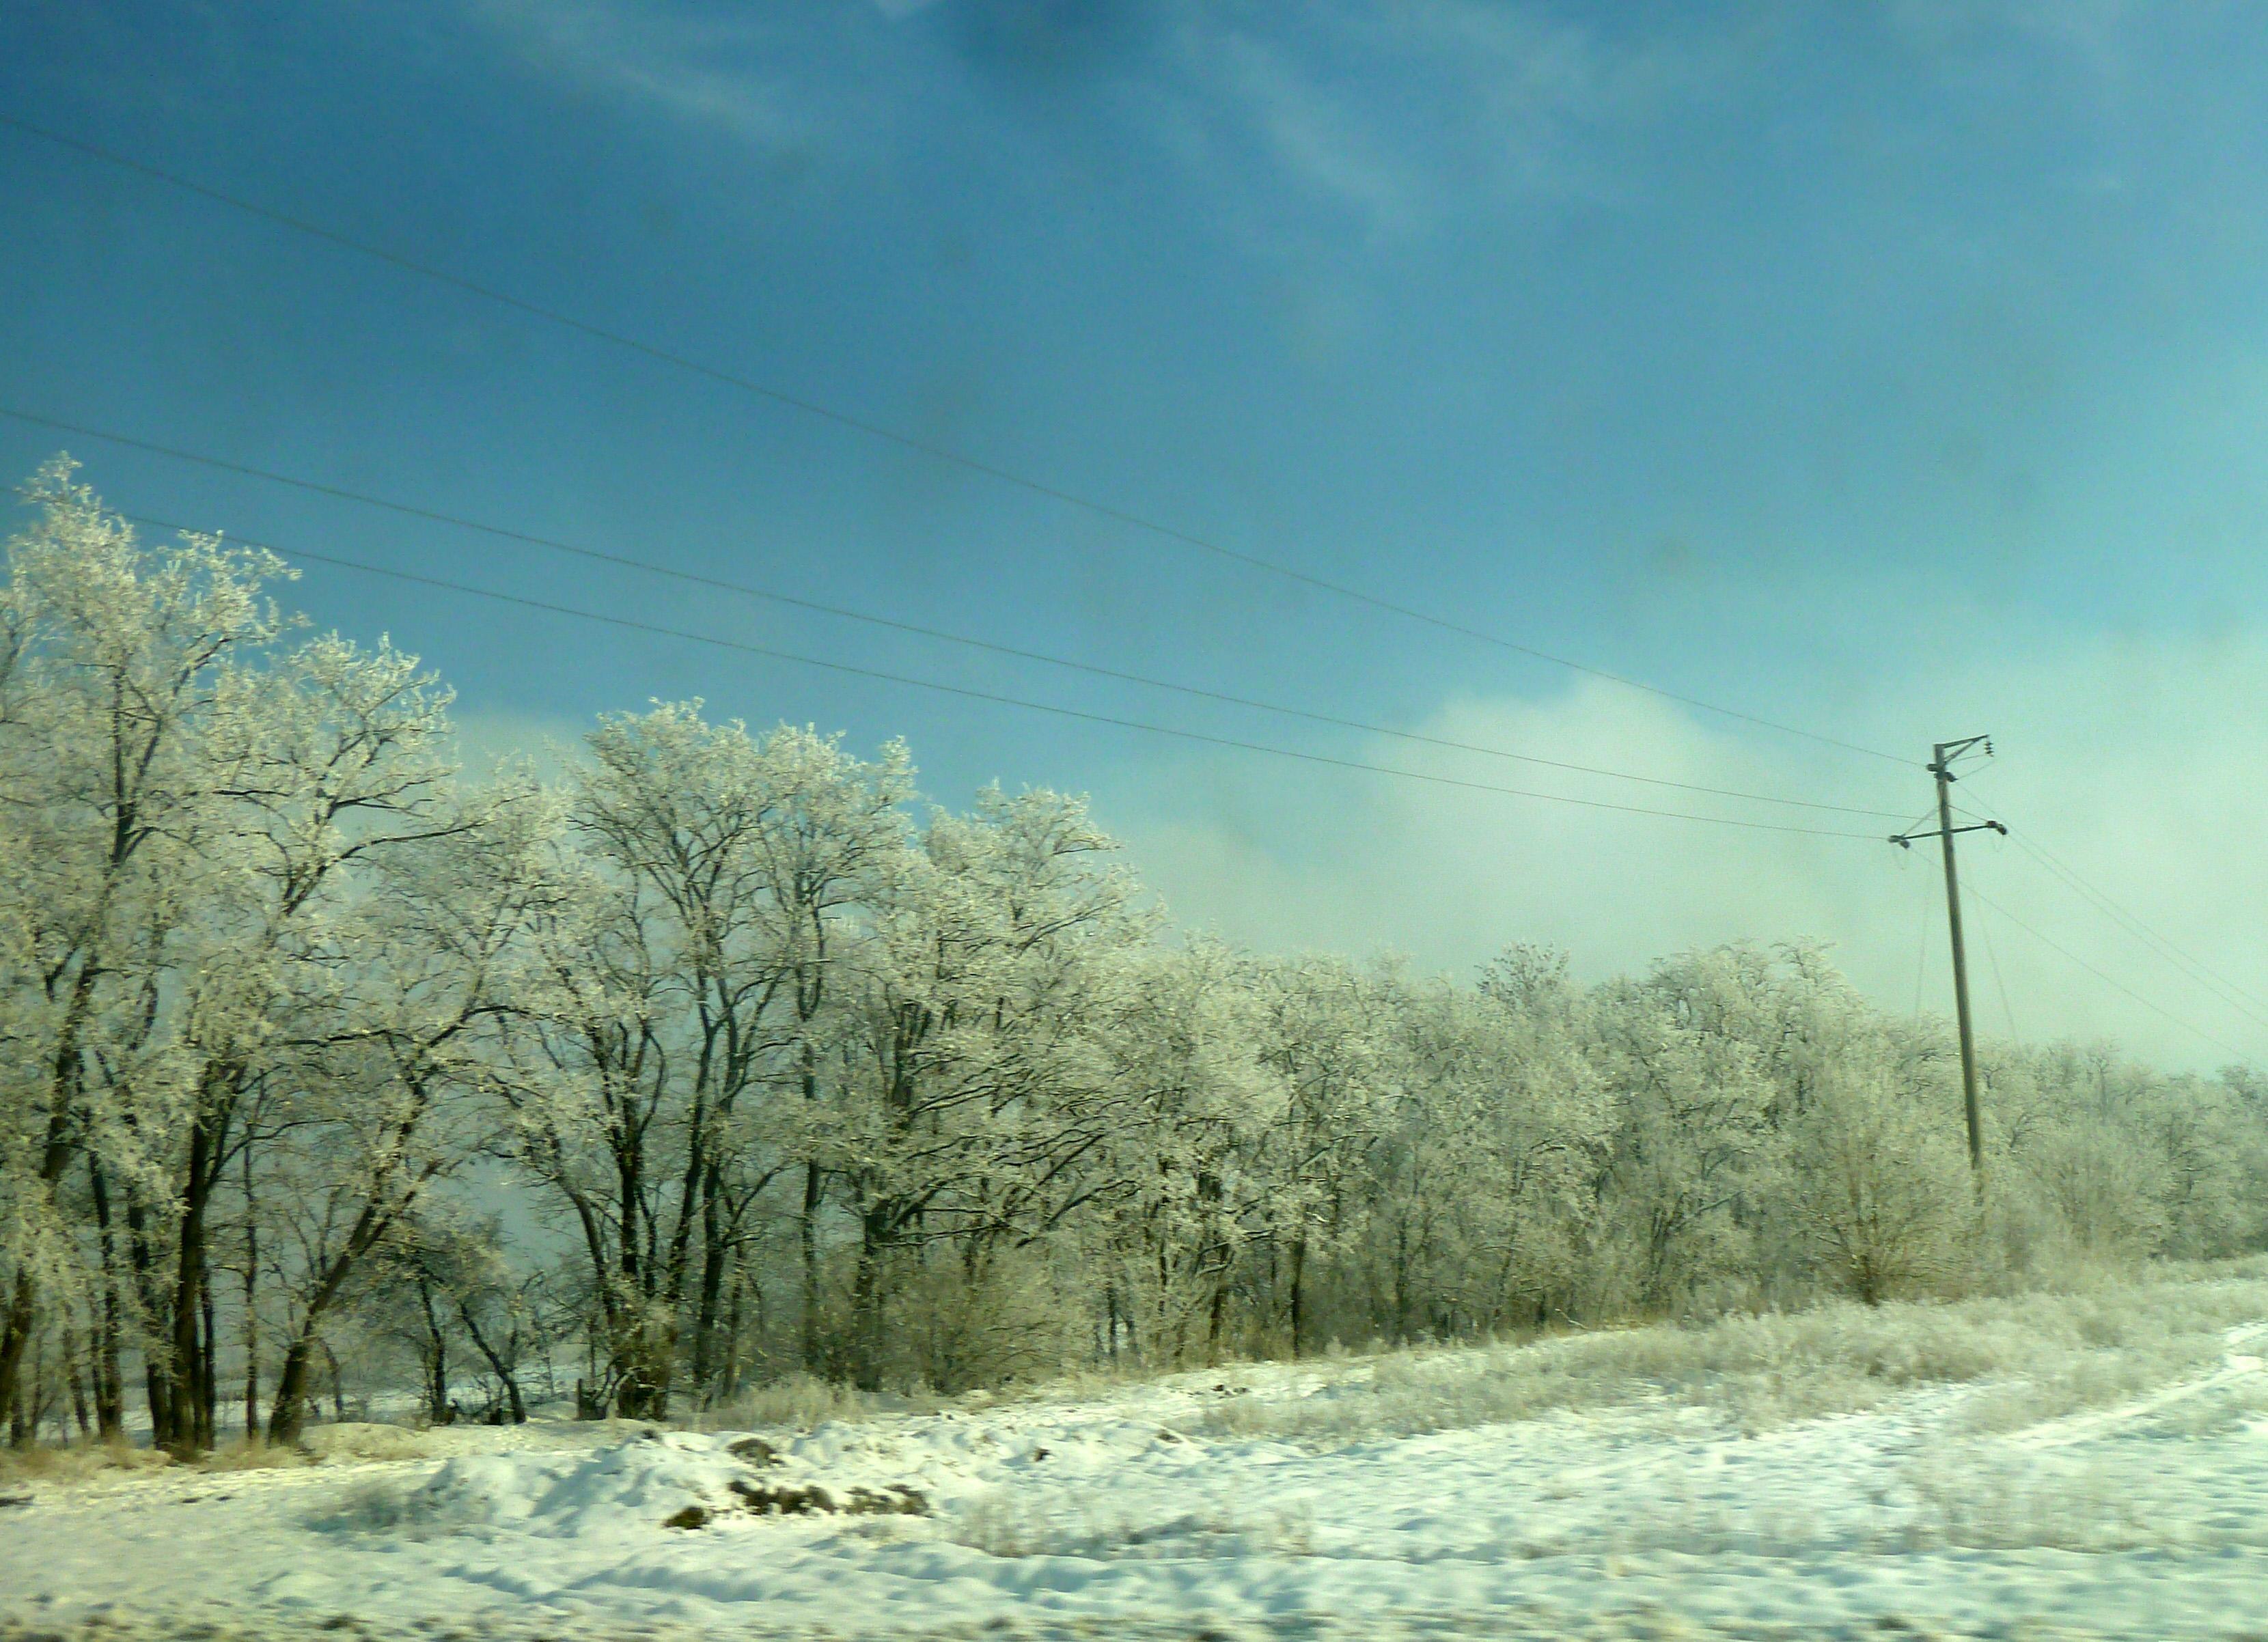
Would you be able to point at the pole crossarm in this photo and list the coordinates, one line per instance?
(1904, 840)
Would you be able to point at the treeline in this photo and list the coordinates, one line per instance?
(718, 1061)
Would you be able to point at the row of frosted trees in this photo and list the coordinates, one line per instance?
(718, 1061)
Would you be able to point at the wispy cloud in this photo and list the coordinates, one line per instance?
(1405, 115)
(734, 75)
(2092, 32)
(1391, 118)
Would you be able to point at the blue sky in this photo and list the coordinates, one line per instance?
(1895, 370)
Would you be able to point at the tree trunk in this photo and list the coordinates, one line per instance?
(734, 1363)
(497, 1364)
(437, 1358)
(185, 1389)
(156, 1382)
(16, 1327)
(1299, 1295)
(814, 1192)
(643, 1360)
(208, 1375)
(62, 1092)
(109, 1378)
(1401, 1299)
(150, 1294)
(716, 1257)
(74, 1377)
(251, 1302)
(15, 1339)
(338, 1382)
(287, 1414)
(875, 1228)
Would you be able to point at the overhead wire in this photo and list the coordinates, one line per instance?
(1907, 831)
(1107, 510)
(2106, 979)
(1921, 947)
(2069, 879)
(2192, 968)
(771, 652)
(2224, 992)
(1999, 981)
(770, 595)
(810, 407)
(1921, 955)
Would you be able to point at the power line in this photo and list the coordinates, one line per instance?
(2173, 952)
(1911, 827)
(1921, 952)
(2163, 947)
(905, 441)
(988, 695)
(2224, 992)
(627, 562)
(2099, 976)
(2157, 944)
(1999, 981)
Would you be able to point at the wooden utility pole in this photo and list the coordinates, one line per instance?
(1941, 767)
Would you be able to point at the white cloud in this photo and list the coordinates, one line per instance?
(2136, 764)
(488, 736)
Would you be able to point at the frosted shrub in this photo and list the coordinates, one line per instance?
(801, 1402)
(2109, 1192)
(1882, 1193)
(956, 1326)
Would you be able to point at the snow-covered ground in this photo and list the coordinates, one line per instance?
(1232, 1503)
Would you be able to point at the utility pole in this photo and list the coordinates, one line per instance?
(1941, 767)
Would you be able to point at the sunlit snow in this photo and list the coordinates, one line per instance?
(1138, 1505)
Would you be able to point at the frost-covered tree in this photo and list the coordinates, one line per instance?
(678, 1015)
(395, 1063)
(119, 670)
(445, 1288)
(200, 809)
(1190, 1188)
(1481, 1207)
(1693, 1139)
(971, 1091)
(765, 1073)
(1878, 1188)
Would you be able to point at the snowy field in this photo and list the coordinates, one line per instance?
(2089, 1467)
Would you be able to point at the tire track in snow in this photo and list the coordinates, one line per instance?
(2236, 1366)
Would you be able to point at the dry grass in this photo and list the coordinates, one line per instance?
(355, 1440)
(802, 1400)
(2057, 1353)
(81, 1460)
(75, 1464)
(254, 1454)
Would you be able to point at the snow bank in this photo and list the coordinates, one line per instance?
(641, 1482)
(2140, 1517)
